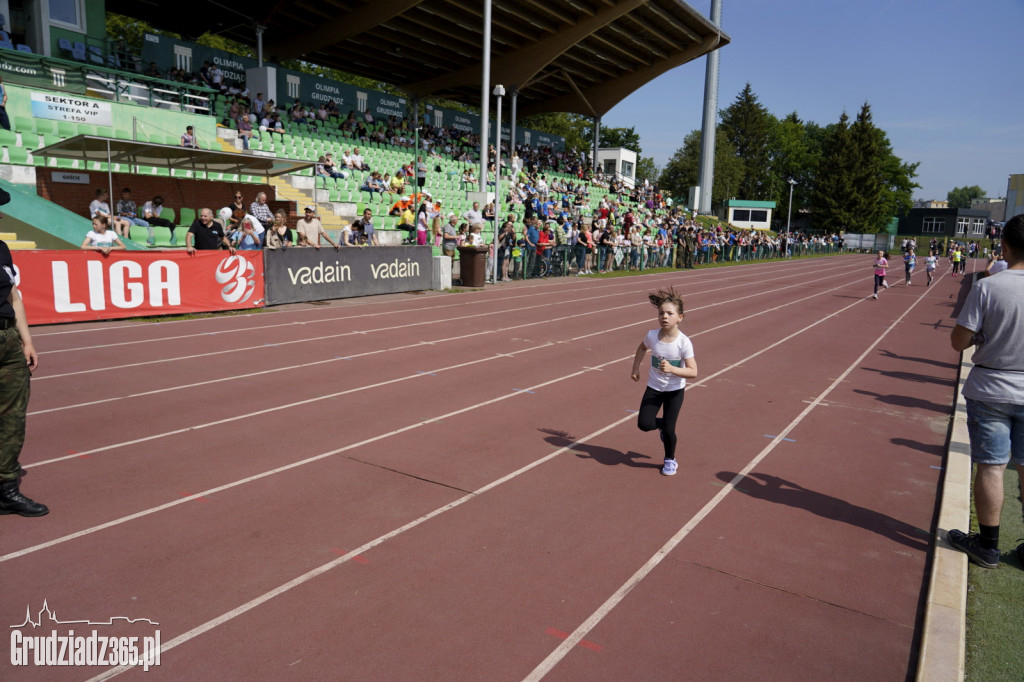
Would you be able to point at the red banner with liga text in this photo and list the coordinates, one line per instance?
(74, 286)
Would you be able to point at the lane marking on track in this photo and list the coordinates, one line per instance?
(791, 440)
(561, 303)
(586, 644)
(400, 348)
(726, 276)
(373, 439)
(363, 549)
(616, 598)
(330, 396)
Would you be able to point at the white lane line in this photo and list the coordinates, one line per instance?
(404, 347)
(260, 328)
(320, 570)
(263, 346)
(616, 598)
(417, 375)
(315, 458)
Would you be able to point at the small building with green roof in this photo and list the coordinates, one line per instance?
(748, 215)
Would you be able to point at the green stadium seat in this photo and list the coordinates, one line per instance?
(8, 138)
(139, 234)
(17, 156)
(187, 216)
(45, 126)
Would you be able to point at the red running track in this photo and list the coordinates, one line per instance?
(452, 486)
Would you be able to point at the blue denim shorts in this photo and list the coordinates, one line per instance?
(996, 431)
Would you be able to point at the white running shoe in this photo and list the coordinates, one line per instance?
(875, 296)
(669, 467)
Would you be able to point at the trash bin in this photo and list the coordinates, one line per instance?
(473, 265)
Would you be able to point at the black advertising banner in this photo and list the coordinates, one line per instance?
(300, 274)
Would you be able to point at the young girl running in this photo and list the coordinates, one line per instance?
(880, 265)
(929, 265)
(909, 263)
(672, 363)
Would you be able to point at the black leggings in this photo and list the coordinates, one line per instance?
(647, 420)
(878, 281)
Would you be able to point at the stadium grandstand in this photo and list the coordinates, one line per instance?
(89, 112)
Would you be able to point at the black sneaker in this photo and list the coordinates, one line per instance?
(970, 544)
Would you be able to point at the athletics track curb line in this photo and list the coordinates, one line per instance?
(943, 643)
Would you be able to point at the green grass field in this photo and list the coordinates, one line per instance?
(995, 602)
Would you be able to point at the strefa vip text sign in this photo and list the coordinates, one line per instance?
(302, 274)
(63, 107)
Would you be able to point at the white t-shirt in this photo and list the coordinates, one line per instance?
(107, 238)
(676, 351)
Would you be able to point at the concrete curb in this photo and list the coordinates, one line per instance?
(945, 622)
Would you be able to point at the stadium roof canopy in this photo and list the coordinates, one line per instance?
(88, 148)
(577, 56)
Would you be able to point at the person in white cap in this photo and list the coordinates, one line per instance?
(311, 230)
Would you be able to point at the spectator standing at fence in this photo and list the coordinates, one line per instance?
(279, 235)
(127, 209)
(365, 225)
(531, 240)
(312, 230)
(992, 319)
(18, 360)
(672, 363)
(99, 238)
(206, 234)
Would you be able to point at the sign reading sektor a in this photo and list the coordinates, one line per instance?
(296, 275)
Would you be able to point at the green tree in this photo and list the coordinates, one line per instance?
(830, 201)
(865, 176)
(961, 197)
(750, 128)
(577, 130)
(646, 169)
(627, 138)
(681, 171)
(796, 154)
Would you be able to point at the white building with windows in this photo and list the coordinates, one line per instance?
(617, 162)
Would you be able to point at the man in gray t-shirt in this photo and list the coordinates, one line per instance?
(993, 320)
(450, 236)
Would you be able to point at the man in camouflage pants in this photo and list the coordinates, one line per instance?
(17, 361)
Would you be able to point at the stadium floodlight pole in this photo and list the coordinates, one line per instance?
(789, 214)
(260, 28)
(485, 96)
(499, 92)
(706, 173)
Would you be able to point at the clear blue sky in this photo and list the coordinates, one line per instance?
(944, 78)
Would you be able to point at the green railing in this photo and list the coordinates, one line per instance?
(53, 73)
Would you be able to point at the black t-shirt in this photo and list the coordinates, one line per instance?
(6, 281)
(206, 238)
